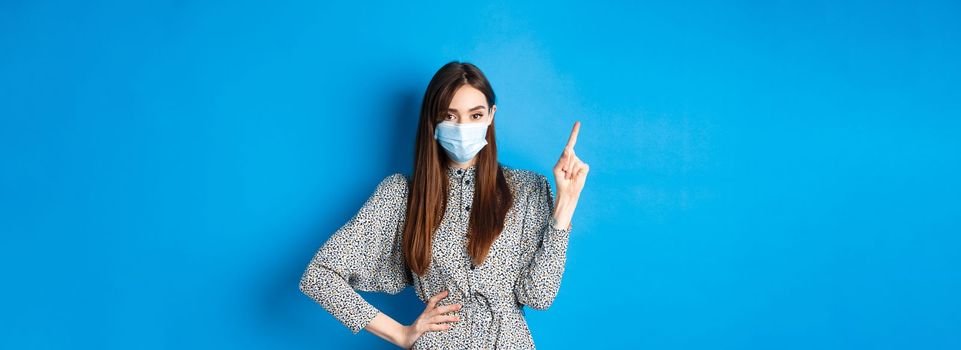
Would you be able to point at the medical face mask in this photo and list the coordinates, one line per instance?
(461, 141)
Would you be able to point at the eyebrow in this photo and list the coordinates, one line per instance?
(475, 108)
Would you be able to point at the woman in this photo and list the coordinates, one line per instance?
(476, 239)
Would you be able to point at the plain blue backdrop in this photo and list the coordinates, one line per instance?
(765, 175)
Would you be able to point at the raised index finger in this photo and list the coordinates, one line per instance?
(573, 139)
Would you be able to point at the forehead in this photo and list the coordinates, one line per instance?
(467, 97)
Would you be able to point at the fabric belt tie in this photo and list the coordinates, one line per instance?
(491, 304)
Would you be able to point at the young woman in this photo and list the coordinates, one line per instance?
(476, 239)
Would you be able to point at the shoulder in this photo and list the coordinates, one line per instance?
(522, 179)
(521, 175)
(396, 180)
(393, 186)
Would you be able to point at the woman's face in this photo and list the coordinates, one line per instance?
(469, 105)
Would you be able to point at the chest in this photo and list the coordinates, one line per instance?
(449, 252)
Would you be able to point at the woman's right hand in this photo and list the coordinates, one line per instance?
(433, 318)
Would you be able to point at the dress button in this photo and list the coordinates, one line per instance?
(467, 208)
(458, 171)
(468, 182)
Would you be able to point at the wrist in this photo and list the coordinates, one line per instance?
(407, 336)
(563, 212)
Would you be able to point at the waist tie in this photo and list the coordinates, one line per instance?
(487, 303)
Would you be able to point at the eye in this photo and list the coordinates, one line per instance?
(477, 116)
(451, 117)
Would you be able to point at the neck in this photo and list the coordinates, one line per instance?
(466, 165)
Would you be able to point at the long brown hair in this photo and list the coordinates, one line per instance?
(427, 198)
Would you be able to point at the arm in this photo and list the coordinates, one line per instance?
(434, 318)
(364, 254)
(337, 294)
(544, 250)
(541, 278)
(390, 330)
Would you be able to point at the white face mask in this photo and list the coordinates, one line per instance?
(461, 141)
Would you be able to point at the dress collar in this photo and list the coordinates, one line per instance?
(455, 172)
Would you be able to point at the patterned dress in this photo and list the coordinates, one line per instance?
(523, 267)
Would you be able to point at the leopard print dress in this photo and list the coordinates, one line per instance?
(523, 267)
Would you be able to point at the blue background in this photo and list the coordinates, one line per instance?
(764, 174)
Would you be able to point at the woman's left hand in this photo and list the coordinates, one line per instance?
(570, 173)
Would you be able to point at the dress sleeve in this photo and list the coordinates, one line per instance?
(544, 250)
(364, 254)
